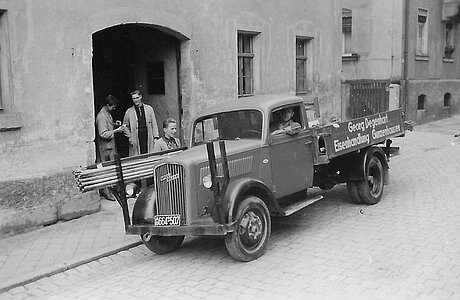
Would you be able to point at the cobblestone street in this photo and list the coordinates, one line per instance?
(405, 247)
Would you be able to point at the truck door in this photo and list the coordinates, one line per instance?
(291, 154)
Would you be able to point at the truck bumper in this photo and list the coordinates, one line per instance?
(212, 229)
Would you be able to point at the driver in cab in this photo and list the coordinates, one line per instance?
(284, 122)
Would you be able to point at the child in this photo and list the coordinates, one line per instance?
(168, 141)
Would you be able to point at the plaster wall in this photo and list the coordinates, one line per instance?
(434, 105)
(50, 54)
(433, 66)
(377, 30)
(432, 75)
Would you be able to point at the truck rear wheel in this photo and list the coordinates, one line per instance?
(352, 187)
(371, 188)
(162, 244)
(253, 227)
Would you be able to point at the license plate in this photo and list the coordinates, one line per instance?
(167, 220)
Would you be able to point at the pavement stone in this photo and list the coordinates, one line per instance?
(49, 250)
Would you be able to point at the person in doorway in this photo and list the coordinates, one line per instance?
(105, 138)
(142, 126)
(168, 141)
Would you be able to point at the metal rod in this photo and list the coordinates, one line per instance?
(86, 188)
(214, 180)
(121, 191)
(114, 174)
(226, 178)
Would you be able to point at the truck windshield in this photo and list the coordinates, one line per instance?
(243, 124)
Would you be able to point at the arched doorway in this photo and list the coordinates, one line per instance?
(137, 56)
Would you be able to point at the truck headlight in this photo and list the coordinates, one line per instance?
(207, 181)
(130, 189)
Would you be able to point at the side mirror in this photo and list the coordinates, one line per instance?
(293, 129)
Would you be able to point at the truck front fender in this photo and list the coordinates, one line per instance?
(238, 189)
(143, 208)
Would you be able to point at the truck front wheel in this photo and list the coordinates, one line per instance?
(253, 227)
(371, 188)
(162, 244)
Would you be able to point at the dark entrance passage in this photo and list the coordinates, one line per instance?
(135, 56)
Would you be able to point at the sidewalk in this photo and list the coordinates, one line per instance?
(27, 257)
(33, 255)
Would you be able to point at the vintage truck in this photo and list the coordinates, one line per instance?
(259, 172)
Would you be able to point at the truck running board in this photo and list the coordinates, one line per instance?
(298, 205)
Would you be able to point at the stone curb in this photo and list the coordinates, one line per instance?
(13, 220)
(16, 220)
(59, 268)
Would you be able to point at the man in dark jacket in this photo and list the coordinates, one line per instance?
(105, 140)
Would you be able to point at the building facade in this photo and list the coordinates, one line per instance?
(411, 45)
(60, 58)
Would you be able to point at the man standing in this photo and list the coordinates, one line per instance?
(106, 137)
(142, 124)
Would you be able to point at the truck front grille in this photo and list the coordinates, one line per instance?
(170, 189)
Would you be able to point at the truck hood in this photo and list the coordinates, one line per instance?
(199, 153)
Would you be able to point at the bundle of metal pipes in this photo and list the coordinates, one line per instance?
(105, 174)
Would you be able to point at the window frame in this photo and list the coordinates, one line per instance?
(303, 58)
(154, 80)
(421, 48)
(9, 119)
(3, 35)
(275, 116)
(449, 39)
(447, 99)
(421, 102)
(347, 30)
(241, 57)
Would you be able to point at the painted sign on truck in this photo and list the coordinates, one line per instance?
(351, 135)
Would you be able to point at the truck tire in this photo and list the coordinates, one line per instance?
(371, 189)
(252, 233)
(163, 244)
(352, 187)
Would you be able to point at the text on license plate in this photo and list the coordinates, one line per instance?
(167, 220)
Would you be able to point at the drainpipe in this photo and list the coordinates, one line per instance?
(405, 54)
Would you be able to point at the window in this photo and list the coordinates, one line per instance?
(245, 64)
(9, 119)
(447, 97)
(233, 125)
(449, 40)
(422, 32)
(301, 66)
(346, 30)
(156, 78)
(281, 117)
(421, 102)
(2, 54)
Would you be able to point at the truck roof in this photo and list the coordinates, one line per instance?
(260, 102)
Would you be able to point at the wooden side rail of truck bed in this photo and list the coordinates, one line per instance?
(348, 136)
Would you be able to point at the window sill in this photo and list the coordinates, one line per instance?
(350, 57)
(448, 60)
(10, 121)
(245, 95)
(422, 57)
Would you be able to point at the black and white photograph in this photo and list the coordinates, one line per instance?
(210, 149)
